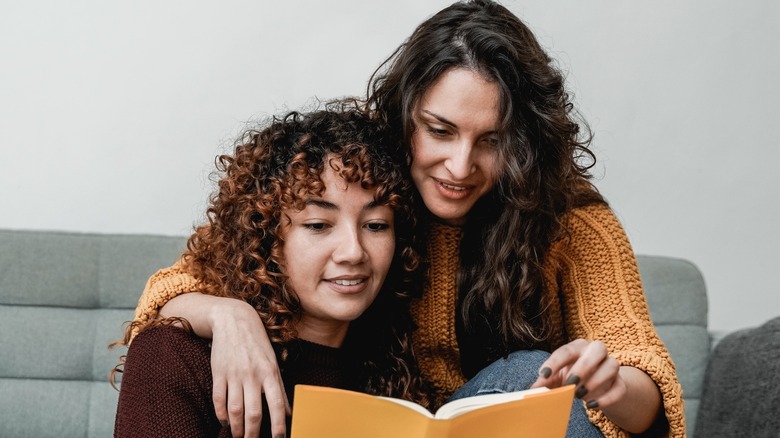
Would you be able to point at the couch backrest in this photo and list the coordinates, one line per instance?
(63, 299)
(677, 298)
(65, 296)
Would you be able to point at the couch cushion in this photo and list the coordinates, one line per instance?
(59, 343)
(677, 298)
(742, 389)
(63, 299)
(80, 270)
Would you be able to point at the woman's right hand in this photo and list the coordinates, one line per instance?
(243, 362)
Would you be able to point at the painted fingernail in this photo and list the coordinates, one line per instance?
(545, 372)
(593, 404)
(572, 380)
(224, 423)
(279, 436)
(580, 391)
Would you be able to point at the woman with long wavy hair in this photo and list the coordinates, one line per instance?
(530, 278)
(310, 215)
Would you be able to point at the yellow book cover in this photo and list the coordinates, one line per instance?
(321, 412)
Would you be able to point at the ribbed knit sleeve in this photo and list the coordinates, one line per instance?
(595, 274)
(160, 288)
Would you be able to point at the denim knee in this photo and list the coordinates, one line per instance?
(518, 371)
(515, 372)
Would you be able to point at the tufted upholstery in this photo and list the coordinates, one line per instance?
(63, 299)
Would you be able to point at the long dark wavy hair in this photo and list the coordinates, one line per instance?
(239, 251)
(544, 152)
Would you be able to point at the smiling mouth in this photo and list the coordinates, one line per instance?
(457, 188)
(451, 191)
(348, 282)
(451, 187)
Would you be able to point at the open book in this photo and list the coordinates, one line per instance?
(327, 412)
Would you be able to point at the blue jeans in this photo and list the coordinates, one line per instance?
(517, 372)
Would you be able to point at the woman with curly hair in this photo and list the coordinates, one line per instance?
(310, 216)
(530, 278)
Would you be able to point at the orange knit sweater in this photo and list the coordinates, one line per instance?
(595, 291)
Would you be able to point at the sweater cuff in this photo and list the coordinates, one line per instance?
(661, 370)
(161, 287)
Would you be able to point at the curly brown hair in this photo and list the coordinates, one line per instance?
(545, 156)
(238, 252)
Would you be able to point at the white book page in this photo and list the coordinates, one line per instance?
(463, 405)
(410, 405)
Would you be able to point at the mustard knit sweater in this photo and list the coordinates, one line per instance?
(595, 291)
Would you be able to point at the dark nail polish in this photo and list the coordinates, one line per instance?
(279, 436)
(572, 380)
(593, 404)
(580, 391)
(545, 372)
(224, 423)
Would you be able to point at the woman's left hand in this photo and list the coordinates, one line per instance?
(589, 366)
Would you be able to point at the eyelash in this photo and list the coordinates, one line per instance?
(320, 227)
(378, 227)
(441, 133)
(437, 132)
(317, 227)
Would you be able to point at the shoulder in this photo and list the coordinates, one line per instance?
(166, 386)
(594, 244)
(168, 345)
(167, 335)
(597, 218)
(592, 228)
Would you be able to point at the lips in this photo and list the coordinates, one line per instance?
(451, 190)
(348, 284)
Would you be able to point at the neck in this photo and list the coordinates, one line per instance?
(331, 333)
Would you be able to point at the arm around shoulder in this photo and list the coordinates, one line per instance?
(161, 287)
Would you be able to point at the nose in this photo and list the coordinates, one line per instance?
(349, 247)
(460, 163)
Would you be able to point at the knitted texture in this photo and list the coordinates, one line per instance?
(742, 389)
(435, 343)
(167, 384)
(595, 293)
(162, 287)
(598, 295)
(166, 387)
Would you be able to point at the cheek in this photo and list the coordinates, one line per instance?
(297, 256)
(418, 148)
(382, 253)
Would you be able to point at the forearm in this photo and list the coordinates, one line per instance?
(161, 287)
(207, 313)
(639, 406)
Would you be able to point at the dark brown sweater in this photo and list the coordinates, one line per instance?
(167, 385)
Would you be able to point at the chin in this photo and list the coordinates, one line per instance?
(448, 216)
(348, 315)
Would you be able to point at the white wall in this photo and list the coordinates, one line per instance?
(111, 112)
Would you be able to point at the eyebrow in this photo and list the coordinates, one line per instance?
(439, 118)
(331, 206)
(447, 122)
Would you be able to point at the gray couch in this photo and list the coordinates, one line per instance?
(65, 296)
